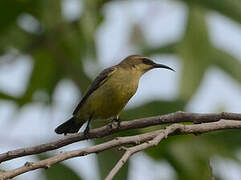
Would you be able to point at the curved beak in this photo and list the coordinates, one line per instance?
(162, 66)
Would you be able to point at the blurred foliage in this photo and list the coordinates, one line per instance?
(108, 159)
(59, 171)
(59, 48)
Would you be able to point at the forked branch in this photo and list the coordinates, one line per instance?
(139, 142)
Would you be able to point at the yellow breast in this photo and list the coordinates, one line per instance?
(110, 98)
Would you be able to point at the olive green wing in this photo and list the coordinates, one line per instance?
(99, 80)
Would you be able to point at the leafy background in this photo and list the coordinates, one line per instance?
(51, 50)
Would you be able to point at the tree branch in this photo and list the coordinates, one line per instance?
(147, 139)
(170, 130)
(130, 151)
(125, 125)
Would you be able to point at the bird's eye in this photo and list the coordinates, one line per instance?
(147, 61)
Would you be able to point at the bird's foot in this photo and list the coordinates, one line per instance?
(117, 121)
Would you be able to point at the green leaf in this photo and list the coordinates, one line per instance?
(106, 162)
(15, 38)
(170, 48)
(227, 8)
(194, 51)
(44, 77)
(4, 96)
(227, 63)
(185, 155)
(152, 108)
(10, 10)
(225, 143)
(51, 14)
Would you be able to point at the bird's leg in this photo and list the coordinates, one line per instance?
(86, 131)
(117, 120)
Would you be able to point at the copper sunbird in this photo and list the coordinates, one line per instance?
(109, 93)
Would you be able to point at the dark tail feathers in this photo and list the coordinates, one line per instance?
(70, 126)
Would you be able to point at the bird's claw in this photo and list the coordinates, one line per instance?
(118, 121)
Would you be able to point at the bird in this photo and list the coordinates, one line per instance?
(109, 93)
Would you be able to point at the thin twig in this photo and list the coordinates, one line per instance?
(182, 129)
(130, 151)
(153, 137)
(29, 166)
(126, 125)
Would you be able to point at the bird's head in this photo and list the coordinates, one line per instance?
(141, 64)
